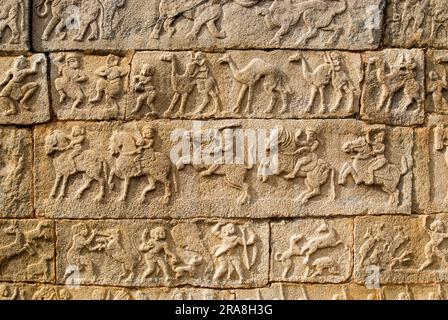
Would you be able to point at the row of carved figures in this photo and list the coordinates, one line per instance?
(298, 157)
(222, 252)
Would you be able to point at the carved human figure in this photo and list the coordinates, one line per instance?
(437, 86)
(313, 169)
(71, 78)
(437, 233)
(109, 86)
(305, 148)
(137, 158)
(12, 158)
(228, 253)
(368, 157)
(400, 77)
(275, 83)
(234, 175)
(440, 144)
(16, 89)
(205, 83)
(6, 293)
(82, 240)
(157, 253)
(341, 82)
(12, 17)
(142, 85)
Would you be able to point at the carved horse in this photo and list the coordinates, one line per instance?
(155, 170)
(234, 175)
(316, 173)
(89, 162)
(388, 177)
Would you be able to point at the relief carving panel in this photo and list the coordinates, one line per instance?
(150, 169)
(201, 24)
(220, 253)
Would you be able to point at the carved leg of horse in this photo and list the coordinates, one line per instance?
(347, 170)
(284, 29)
(55, 185)
(124, 192)
(94, 31)
(167, 185)
(82, 31)
(150, 187)
(311, 192)
(169, 28)
(63, 188)
(100, 195)
(311, 33)
(284, 97)
(155, 34)
(288, 265)
(83, 188)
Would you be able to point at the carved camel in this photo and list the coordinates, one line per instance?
(275, 82)
(317, 79)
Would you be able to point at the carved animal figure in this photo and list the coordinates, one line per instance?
(293, 250)
(90, 12)
(182, 84)
(16, 247)
(115, 248)
(318, 267)
(326, 237)
(234, 175)
(317, 80)
(91, 164)
(388, 177)
(275, 82)
(316, 171)
(156, 168)
(12, 17)
(40, 269)
(190, 262)
(317, 15)
(204, 13)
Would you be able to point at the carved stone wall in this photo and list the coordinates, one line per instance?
(223, 149)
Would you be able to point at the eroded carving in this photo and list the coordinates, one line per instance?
(370, 165)
(218, 253)
(312, 255)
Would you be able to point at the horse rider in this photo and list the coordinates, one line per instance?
(306, 150)
(76, 138)
(378, 147)
(224, 148)
(144, 146)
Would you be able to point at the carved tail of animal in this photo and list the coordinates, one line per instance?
(333, 184)
(104, 165)
(22, 16)
(174, 177)
(134, 245)
(46, 8)
(404, 166)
